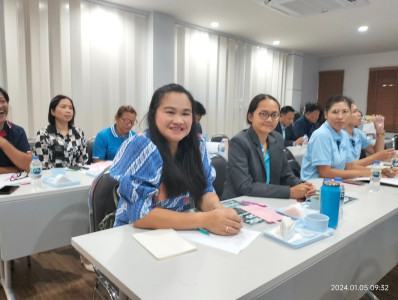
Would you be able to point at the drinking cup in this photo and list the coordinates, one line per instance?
(317, 222)
(314, 202)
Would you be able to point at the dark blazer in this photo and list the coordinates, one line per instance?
(246, 170)
(290, 138)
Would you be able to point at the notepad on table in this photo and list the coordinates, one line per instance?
(164, 243)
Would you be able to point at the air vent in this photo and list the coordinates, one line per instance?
(301, 8)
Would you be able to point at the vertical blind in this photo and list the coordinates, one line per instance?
(93, 53)
(225, 74)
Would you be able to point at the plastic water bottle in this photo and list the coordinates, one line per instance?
(342, 195)
(330, 201)
(305, 140)
(374, 183)
(35, 172)
(221, 147)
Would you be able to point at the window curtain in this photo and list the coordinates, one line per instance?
(94, 53)
(225, 74)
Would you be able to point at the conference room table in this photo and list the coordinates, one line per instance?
(298, 152)
(37, 220)
(362, 250)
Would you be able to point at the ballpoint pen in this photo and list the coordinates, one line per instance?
(254, 203)
(204, 231)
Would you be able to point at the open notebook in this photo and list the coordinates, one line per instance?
(164, 243)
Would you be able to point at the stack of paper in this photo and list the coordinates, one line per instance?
(164, 243)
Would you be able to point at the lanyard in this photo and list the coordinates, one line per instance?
(266, 162)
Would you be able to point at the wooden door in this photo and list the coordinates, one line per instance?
(330, 84)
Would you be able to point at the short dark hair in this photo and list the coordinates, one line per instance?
(254, 104)
(125, 108)
(184, 172)
(286, 109)
(336, 99)
(199, 109)
(5, 95)
(53, 104)
(310, 107)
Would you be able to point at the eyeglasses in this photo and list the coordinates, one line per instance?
(18, 176)
(264, 115)
(128, 122)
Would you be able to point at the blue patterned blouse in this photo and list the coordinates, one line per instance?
(138, 167)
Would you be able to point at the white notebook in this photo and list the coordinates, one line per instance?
(164, 243)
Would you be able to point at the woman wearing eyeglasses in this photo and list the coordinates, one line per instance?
(108, 141)
(358, 140)
(329, 154)
(257, 165)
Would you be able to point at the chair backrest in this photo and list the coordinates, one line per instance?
(293, 163)
(220, 165)
(218, 137)
(100, 199)
(90, 146)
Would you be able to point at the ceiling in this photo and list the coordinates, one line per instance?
(329, 34)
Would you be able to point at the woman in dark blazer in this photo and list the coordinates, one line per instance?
(257, 165)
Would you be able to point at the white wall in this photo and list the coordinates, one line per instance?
(310, 79)
(356, 72)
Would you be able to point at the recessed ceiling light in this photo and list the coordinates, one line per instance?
(276, 43)
(214, 24)
(363, 29)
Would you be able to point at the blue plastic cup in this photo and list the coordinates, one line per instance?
(317, 222)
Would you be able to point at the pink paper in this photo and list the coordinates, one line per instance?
(264, 213)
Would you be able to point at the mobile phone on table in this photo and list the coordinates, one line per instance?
(8, 189)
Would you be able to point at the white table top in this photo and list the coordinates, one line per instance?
(210, 273)
(25, 191)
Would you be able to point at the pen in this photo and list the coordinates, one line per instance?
(204, 231)
(254, 203)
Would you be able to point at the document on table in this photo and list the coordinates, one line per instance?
(233, 243)
(384, 180)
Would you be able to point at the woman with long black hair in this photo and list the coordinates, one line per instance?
(167, 171)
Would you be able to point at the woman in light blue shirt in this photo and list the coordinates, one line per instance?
(358, 140)
(329, 152)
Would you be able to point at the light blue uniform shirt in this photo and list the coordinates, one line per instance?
(358, 142)
(107, 143)
(326, 148)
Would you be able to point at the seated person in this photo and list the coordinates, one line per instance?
(306, 124)
(108, 141)
(61, 145)
(358, 140)
(167, 171)
(15, 154)
(200, 111)
(257, 165)
(285, 127)
(329, 153)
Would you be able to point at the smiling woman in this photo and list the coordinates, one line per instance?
(61, 144)
(167, 171)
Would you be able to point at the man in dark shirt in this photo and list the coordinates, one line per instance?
(200, 111)
(15, 154)
(285, 127)
(306, 124)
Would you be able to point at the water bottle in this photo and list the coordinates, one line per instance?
(374, 183)
(35, 172)
(221, 147)
(330, 201)
(342, 195)
(305, 140)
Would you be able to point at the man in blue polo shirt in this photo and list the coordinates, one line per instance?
(306, 124)
(15, 154)
(108, 141)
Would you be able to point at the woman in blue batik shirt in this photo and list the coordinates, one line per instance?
(328, 153)
(167, 171)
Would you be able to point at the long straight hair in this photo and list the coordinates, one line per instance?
(183, 173)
